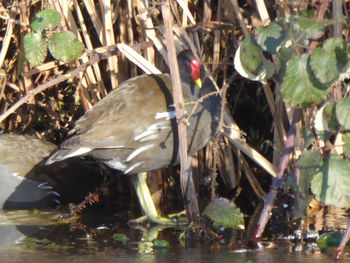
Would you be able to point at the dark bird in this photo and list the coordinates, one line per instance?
(134, 130)
(27, 183)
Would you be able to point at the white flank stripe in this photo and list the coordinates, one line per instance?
(133, 167)
(144, 134)
(149, 137)
(153, 129)
(79, 151)
(138, 151)
(167, 115)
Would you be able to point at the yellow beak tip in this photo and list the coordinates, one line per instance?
(198, 82)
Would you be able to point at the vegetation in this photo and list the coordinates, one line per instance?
(298, 65)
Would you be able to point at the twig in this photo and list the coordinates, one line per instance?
(279, 179)
(200, 100)
(343, 242)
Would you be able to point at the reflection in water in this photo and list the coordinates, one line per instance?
(200, 254)
(328, 218)
(99, 247)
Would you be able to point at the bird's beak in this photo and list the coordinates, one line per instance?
(198, 82)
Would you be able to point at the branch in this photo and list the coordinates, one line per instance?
(279, 179)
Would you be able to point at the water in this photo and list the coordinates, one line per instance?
(76, 241)
(201, 254)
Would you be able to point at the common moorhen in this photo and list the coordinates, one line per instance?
(18, 156)
(134, 128)
(27, 183)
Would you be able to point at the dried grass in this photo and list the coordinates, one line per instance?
(209, 30)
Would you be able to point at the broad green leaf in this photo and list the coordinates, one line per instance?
(301, 200)
(329, 61)
(324, 66)
(343, 113)
(300, 29)
(35, 48)
(309, 164)
(250, 62)
(314, 28)
(251, 56)
(224, 213)
(294, 32)
(299, 86)
(346, 147)
(331, 185)
(283, 56)
(46, 19)
(329, 116)
(339, 49)
(330, 240)
(271, 37)
(64, 46)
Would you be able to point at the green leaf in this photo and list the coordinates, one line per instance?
(46, 19)
(342, 112)
(300, 29)
(309, 164)
(324, 66)
(339, 49)
(271, 37)
(330, 60)
(283, 56)
(314, 28)
(224, 213)
(121, 237)
(299, 86)
(329, 240)
(331, 185)
(35, 48)
(329, 116)
(251, 56)
(346, 147)
(64, 46)
(250, 62)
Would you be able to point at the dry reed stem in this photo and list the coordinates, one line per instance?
(106, 9)
(239, 17)
(137, 59)
(95, 59)
(6, 42)
(264, 15)
(187, 185)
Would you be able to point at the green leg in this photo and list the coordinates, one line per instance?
(146, 202)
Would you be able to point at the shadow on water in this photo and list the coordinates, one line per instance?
(34, 236)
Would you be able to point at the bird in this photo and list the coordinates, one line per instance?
(27, 183)
(134, 128)
(17, 160)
